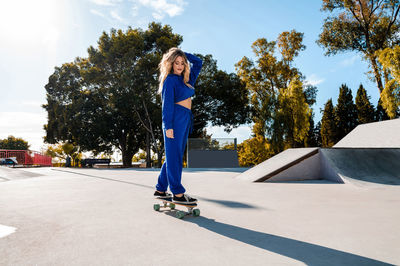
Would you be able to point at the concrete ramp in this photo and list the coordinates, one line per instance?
(377, 165)
(277, 164)
(340, 165)
(383, 134)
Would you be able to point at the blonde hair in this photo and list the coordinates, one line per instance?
(166, 66)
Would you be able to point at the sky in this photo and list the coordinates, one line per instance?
(36, 36)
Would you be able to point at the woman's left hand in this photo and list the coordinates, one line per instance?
(170, 133)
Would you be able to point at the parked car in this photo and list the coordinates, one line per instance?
(9, 161)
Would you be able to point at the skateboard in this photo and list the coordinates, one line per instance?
(167, 203)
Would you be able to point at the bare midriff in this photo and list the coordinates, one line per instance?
(186, 103)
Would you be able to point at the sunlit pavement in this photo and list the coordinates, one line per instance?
(66, 216)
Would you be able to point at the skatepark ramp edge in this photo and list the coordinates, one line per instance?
(339, 165)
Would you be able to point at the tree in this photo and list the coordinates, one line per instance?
(390, 60)
(279, 100)
(317, 134)
(345, 113)
(110, 99)
(328, 125)
(380, 113)
(314, 133)
(364, 26)
(292, 118)
(126, 65)
(77, 114)
(63, 86)
(365, 110)
(62, 150)
(220, 99)
(13, 143)
(253, 151)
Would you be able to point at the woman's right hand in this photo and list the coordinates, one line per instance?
(170, 133)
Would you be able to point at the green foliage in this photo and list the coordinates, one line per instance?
(13, 143)
(328, 125)
(380, 113)
(290, 44)
(280, 101)
(253, 151)
(62, 150)
(365, 110)
(221, 99)
(69, 148)
(390, 60)
(109, 99)
(313, 138)
(142, 156)
(345, 113)
(390, 101)
(338, 121)
(292, 117)
(364, 26)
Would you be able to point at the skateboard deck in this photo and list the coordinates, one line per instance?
(168, 203)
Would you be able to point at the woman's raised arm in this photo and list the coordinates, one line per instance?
(197, 63)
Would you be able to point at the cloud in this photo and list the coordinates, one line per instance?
(158, 16)
(314, 80)
(158, 8)
(26, 125)
(96, 12)
(106, 2)
(134, 10)
(161, 7)
(115, 15)
(38, 20)
(349, 61)
(241, 133)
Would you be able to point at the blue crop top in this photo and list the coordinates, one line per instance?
(175, 90)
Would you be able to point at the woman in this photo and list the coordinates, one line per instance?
(177, 80)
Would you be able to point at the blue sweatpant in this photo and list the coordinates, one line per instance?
(171, 171)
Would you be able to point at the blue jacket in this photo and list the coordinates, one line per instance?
(175, 90)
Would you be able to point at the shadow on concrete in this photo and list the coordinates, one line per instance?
(230, 204)
(308, 182)
(11, 174)
(308, 253)
(235, 170)
(226, 203)
(2, 179)
(111, 169)
(105, 178)
(11, 171)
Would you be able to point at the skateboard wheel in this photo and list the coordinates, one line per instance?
(172, 206)
(156, 207)
(196, 212)
(180, 214)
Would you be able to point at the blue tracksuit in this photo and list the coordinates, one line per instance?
(180, 119)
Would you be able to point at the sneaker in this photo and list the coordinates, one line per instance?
(185, 199)
(162, 195)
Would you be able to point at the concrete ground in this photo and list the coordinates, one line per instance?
(60, 216)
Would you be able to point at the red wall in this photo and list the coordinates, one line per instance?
(26, 157)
